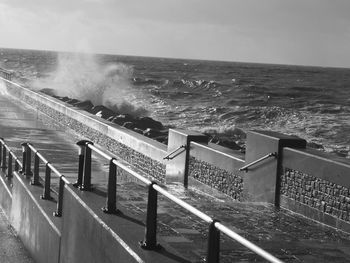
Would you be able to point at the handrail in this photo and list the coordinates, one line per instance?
(183, 204)
(11, 157)
(5, 70)
(53, 169)
(150, 241)
(245, 168)
(6, 74)
(246, 243)
(173, 152)
(28, 149)
(121, 165)
(151, 219)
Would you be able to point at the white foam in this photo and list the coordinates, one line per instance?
(79, 76)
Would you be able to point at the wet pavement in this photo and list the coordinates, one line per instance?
(286, 235)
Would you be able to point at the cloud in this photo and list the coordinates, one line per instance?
(20, 27)
(299, 31)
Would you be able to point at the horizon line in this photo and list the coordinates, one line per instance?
(177, 58)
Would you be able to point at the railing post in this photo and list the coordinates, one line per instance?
(150, 242)
(16, 165)
(3, 160)
(35, 180)
(24, 157)
(1, 145)
(82, 145)
(58, 212)
(46, 193)
(86, 184)
(27, 159)
(28, 163)
(213, 253)
(9, 170)
(111, 203)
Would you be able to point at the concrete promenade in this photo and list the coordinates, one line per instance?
(286, 235)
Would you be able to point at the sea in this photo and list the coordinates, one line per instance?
(216, 97)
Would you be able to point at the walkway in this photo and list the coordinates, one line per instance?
(286, 235)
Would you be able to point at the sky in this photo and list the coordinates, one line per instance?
(302, 32)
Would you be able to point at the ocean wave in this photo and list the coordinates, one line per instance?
(305, 89)
(197, 84)
(80, 76)
(137, 81)
(331, 109)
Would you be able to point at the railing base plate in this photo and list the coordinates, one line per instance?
(145, 246)
(110, 211)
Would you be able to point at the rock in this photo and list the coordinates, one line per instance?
(229, 144)
(102, 111)
(213, 139)
(138, 130)
(97, 108)
(50, 92)
(162, 139)
(152, 133)
(240, 133)
(129, 125)
(146, 122)
(225, 143)
(72, 101)
(315, 145)
(65, 99)
(84, 105)
(143, 125)
(105, 114)
(122, 118)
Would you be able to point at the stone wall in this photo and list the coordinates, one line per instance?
(226, 182)
(217, 167)
(325, 196)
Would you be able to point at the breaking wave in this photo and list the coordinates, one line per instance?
(81, 76)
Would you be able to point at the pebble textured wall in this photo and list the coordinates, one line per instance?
(320, 194)
(153, 168)
(218, 178)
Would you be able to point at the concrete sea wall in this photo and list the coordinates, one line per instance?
(144, 153)
(291, 176)
(82, 232)
(217, 167)
(317, 186)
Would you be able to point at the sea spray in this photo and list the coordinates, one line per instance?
(80, 76)
(3, 90)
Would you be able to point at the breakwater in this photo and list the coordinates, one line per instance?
(299, 178)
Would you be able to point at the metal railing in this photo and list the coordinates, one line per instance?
(27, 150)
(150, 239)
(175, 153)
(12, 159)
(6, 74)
(84, 183)
(246, 167)
(26, 169)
